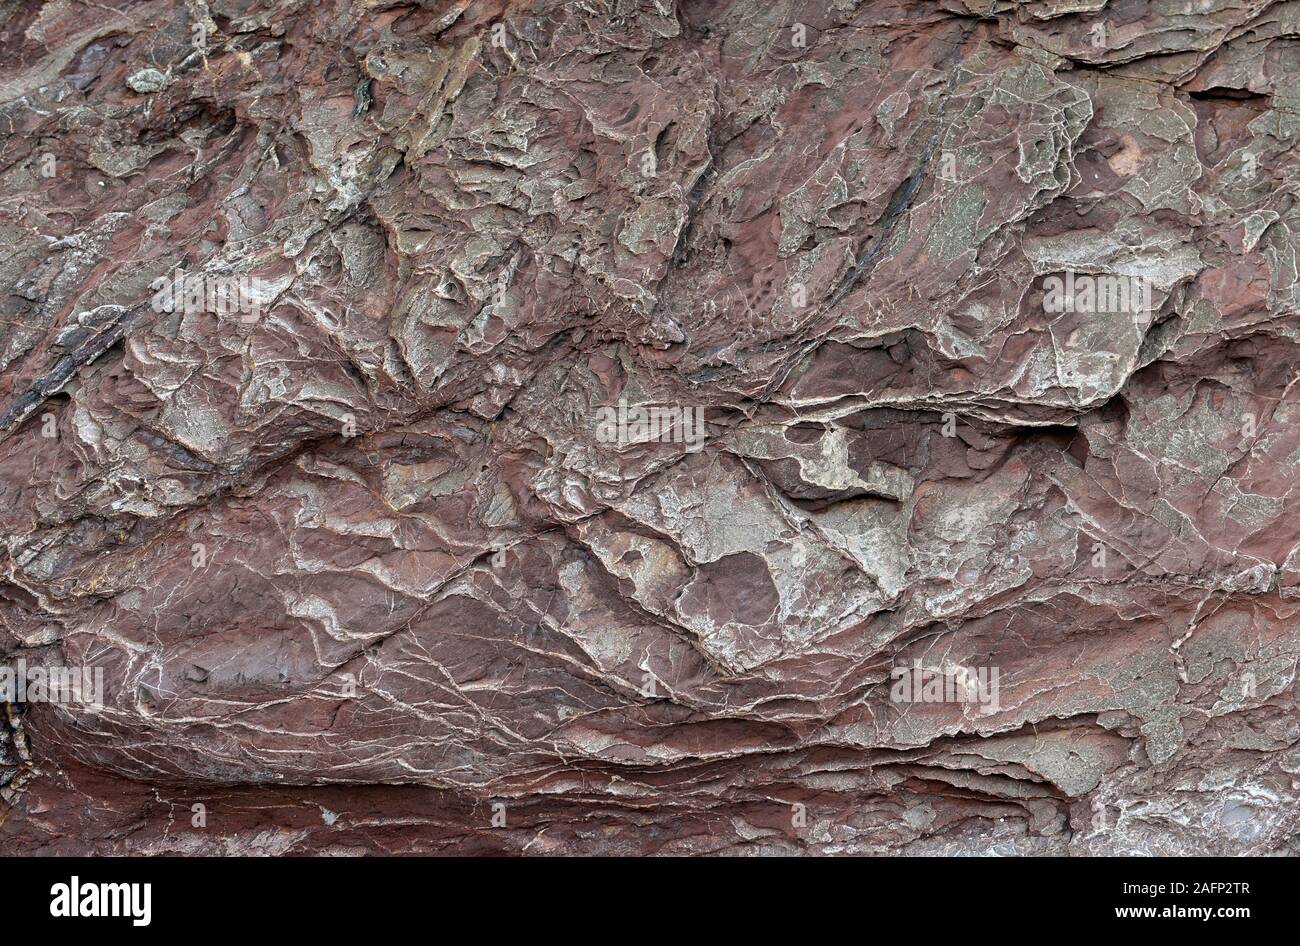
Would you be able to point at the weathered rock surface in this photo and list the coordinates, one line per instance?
(361, 571)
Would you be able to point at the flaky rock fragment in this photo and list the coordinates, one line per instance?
(643, 427)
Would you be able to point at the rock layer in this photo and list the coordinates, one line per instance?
(364, 569)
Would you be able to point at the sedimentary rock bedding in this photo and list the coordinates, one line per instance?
(650, 427)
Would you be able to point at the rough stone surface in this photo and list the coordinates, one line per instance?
(363, 575)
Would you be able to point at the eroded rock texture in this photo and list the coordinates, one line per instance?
(362, 572)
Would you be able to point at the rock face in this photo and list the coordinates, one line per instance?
(636, 426)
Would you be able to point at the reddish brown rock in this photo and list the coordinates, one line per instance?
(711, 427)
